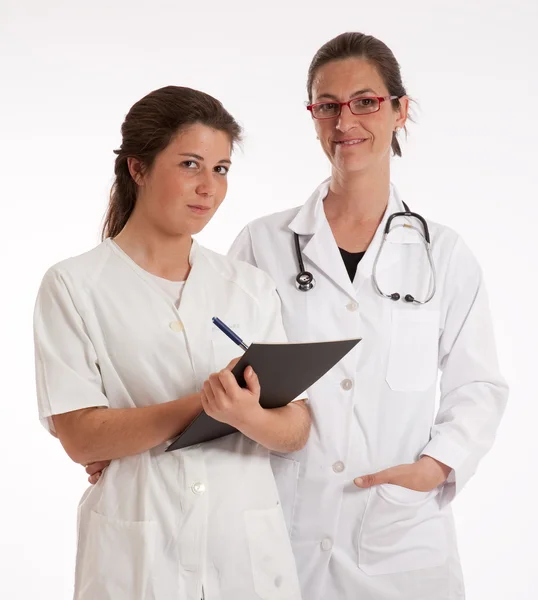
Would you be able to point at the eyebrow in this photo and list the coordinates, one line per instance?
(357, 93)
(201, 158)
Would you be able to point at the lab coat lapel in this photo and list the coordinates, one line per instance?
(318, 243)
(195, 311)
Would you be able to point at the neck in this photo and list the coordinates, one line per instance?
(358, 197)
(155, 251)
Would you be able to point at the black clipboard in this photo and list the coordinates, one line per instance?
(284, 371)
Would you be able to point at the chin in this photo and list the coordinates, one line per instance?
(194, 226)
(354, 165)
(359, 164)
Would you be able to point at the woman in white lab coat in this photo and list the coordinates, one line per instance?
(127, 356)
(370, 513)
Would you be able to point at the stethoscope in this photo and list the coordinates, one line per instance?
(305, 280)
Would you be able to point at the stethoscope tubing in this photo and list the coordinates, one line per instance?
(305, 281)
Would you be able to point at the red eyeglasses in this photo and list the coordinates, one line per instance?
(363, 105)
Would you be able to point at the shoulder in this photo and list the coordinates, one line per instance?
(442, 234)
(274, 222)
(250, 279)
(451, 252)
(78, 271)
(447, 238)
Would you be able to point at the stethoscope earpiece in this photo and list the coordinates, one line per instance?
(395, 296)
(409, 298)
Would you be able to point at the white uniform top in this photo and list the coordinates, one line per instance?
(377, 407)
(161, 525)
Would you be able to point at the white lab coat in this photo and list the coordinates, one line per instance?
(377, 407)
(161, 525)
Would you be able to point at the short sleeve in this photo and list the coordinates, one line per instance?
(67, 369)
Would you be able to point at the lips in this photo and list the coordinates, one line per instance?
(350, 142)
(199, 208)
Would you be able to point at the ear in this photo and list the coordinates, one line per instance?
(136, 170)
(402, 112)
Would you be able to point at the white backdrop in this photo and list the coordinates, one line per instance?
(70, 70)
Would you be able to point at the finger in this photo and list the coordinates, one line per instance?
(95, 467)
(232, 363)
(93, 479)
(208, 392)
(206, 407)
(391, 475)
(228, 382)
(216, 387)
(253, 383)
(367, 481)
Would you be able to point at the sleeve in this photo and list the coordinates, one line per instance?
(473, 393)
(67, 369)
(242, 247)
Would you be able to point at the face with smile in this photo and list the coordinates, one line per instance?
(187, 182)
(355, 143)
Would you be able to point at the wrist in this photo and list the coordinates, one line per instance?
(250, 419)
(435, 467)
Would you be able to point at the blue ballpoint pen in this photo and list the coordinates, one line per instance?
(227, 331)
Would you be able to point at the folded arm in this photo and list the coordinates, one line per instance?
(100, 434)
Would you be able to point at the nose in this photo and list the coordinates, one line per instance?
(346, 120)
(206, 185)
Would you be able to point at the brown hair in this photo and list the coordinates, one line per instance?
(367, 47)
(148, 128)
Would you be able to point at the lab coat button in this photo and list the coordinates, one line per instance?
(338, 467)
(346, 384)
(352, 306)
(326, 544)
(176, 326)
(198, 488)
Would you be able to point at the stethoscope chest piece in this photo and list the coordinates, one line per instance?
(305, 281)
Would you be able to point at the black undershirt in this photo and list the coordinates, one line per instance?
(351, 260)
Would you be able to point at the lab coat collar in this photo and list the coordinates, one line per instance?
(311, 215)
(323, 251)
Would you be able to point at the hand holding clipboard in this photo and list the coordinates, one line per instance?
(284, 372)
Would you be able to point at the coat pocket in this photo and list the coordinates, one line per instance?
(402, 530)
(414, 348)
(286, 473)
(273, 565)
(117, 558)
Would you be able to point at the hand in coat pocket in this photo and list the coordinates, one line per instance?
(422, 476)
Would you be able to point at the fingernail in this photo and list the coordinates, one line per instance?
(249, 371)
(358, 481)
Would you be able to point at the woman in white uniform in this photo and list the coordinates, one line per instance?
(371, 506)
(127, 356)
